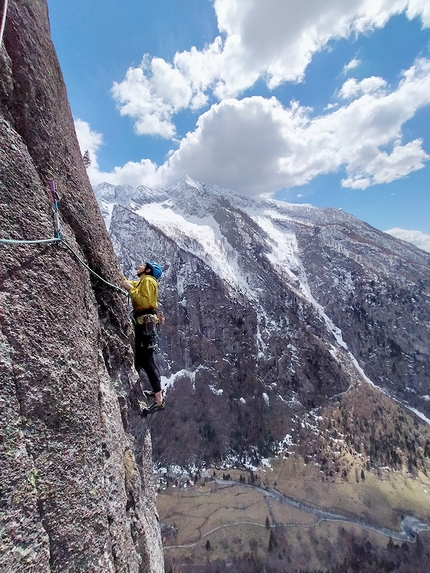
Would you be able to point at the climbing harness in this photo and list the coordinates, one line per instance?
(149, 326)
(59, 239)
(3, 21)
(148, 323)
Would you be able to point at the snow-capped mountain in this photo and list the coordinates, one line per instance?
(273, 310)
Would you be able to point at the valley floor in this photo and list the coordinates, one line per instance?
(291, 512)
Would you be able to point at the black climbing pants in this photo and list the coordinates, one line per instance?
(144, 358)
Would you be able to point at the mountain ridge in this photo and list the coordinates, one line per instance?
(310, 285)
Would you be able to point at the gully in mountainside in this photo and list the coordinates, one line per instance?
(144, 298)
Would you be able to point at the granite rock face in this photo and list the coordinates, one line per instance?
(76, 492)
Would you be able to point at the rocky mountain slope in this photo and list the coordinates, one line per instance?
(76, 491)
(274, 311)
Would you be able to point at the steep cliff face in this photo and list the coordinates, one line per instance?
(76, 491)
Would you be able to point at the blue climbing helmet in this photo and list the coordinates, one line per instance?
(156, 269)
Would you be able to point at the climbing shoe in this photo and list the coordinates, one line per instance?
(154, 407)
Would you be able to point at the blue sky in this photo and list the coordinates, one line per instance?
(319, 101)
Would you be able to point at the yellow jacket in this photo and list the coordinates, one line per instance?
(144, 293)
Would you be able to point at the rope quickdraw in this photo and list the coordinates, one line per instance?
(55, 200)
(59, 239)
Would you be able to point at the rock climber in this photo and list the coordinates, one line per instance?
(144, 298)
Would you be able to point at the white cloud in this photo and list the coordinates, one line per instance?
(419, 8)
(236, 144)
(353, 88)
(151, 94)
(351, 66)
(88, 139)
(257, 145)
(420, 240)
(270, 39)
(132, 173)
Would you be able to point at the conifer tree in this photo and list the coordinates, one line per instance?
(86, 159)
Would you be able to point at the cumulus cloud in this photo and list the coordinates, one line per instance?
(353, 88)
(132, 173)
(351, 66)
(89, 140)
(270, 39)
(236, 144)
(151, 94)
(257, 145)
(420, 240)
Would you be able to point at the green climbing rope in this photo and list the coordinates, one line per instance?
(23, 242)
(83, 263)
(59, 238)
(69, 248)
